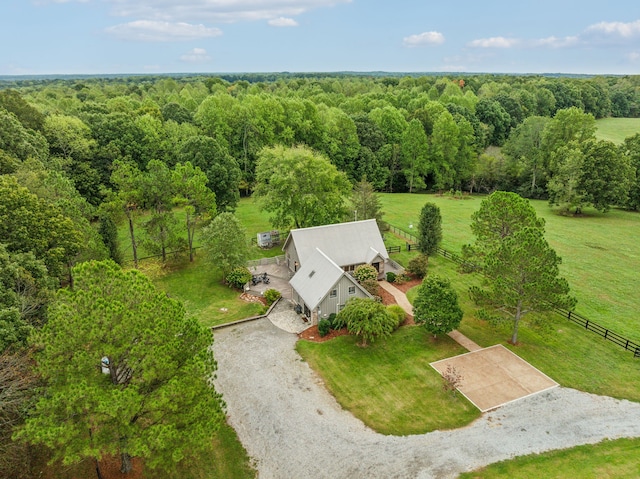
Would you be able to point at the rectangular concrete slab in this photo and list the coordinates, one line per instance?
(494, 376)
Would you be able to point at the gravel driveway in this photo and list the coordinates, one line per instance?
(293, 428)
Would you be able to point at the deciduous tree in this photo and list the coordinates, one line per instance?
(225, 241)
(190, 184)
(436, 306)
(367, 319)
(300, 187)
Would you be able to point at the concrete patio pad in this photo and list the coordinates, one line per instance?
(495, 376)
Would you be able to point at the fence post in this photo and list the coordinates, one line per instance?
(569, 315)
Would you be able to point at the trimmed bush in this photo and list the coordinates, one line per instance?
(398, 313)
(324, 327)
(419, 265)
(391, 276)
(238, 277)
(272, 295)
(371, 285)
(332, 318)
(365, 272)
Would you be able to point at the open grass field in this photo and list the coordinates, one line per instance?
(600, 251)
(589, 363)
(389, 385)
(606, 460)
(617, 129)
(600, 260)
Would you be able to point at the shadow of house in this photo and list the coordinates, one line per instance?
(329, 253)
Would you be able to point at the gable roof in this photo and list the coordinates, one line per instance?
(316, 277)
(354, 242)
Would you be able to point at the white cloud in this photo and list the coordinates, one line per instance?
(618, 29)
(156, 31)
(216, 10)
(282, 22)
(555, 42)
(425, 38)
(197, 55)
(494, 42)
(598, 35)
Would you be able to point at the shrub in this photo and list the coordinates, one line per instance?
(365, 272)
(338, 322)
(371, 285)
(451, 380)
(238, 277)
(391, 276)
(331, 319)
(324, 327)
(398, 313)
(402, 278)
(272, 295)
(419, 265)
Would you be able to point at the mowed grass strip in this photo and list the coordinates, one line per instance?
(600, 251)
(390, 385)
(617, 129)
(561, 349)
(606, 460)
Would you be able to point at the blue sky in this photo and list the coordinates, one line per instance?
(163, 36)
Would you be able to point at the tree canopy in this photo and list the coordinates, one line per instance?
(429, 229)
(436, 306)
(156, 400)
(300, 187)
(524, 278)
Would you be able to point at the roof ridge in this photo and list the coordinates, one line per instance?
(332, 224)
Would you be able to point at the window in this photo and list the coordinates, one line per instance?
(333, 293)
(352, 290)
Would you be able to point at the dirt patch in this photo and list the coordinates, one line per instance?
(387, 297)
(404, 287)
(251, 298)
(495, 376)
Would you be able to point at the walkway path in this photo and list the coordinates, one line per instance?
(401, 299)
(292, 427)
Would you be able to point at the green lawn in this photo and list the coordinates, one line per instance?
(600, 252)
(200, 289)
(390, 385)
(589, 363)
(606, 460)
(617, 129)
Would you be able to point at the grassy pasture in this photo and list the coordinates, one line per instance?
(606, 460)
(600, 252)
(617, 129)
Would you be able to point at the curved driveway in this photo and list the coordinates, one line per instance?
(293, 428)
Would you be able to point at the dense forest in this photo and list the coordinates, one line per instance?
(79, 155)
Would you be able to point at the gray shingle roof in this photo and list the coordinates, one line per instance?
(315, 277)
(345, 243)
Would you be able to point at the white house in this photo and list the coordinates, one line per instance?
(321, 258)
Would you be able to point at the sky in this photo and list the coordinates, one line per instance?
(222, 36)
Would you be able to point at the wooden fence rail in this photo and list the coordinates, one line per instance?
(572, 316)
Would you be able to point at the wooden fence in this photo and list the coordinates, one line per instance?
(572, 316)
